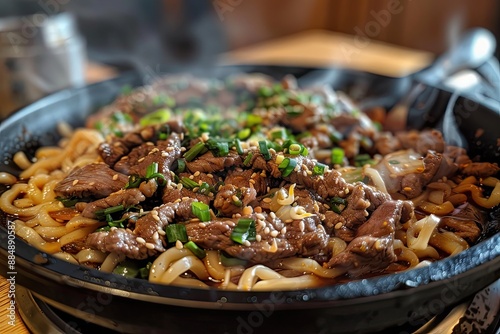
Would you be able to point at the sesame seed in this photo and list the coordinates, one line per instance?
(150, 245)
(161, 232)
(191, 177)
(407, 189)
(258, 238)
(197, 173)
(179, 186)
(266, 230)
(115, 177)
(179, 245)
(183, 149)
(235, 198)
(185, 198)
(75, 182)
(169, 149)
(113, 228)
(156, 236)
(210, 176)
(141, 159)
(246, 243)
(261, 223)
(274, 234)
(178, 200)
(140, 240)
(202, 225)
(91, 183)
(156, 217)
(267, 200)
(338, 226)
(251, 181)
(288, 221)
(272, 215)
(302, 226)
(283, 230)
(260, 216)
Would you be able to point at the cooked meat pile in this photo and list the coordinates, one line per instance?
(254, 144)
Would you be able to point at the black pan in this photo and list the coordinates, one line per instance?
(408, 298)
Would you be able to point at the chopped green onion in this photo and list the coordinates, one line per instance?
(194, 151)
(151, 170)
(201, 210)
(127, 268)
(319, 168)
(279, 133)
(67, 202)
(239, 148)
(158, 117)
(335, 208)
(264, 150)
(287, 166)
(195, 249)
(253, 120)
(361, 160)
(248, 159)
(229, 261)
(337, 156)
(176, 232)
(110, 210)
(181, 165)
(144, 271)
(220, 148)
(204, 188)
(244, 133)
(188, 183)
(338, 200)
(265, 91)
(133, 181)
(335, 136)
(294, 149)
(244, 230)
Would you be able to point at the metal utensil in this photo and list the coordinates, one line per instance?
(475, 48)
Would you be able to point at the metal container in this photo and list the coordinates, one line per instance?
(39, 54)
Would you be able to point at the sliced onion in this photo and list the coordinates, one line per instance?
(404, 162)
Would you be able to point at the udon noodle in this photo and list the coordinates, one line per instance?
(299, 189)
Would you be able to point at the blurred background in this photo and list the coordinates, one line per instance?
(46, 45)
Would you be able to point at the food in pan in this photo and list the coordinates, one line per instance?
(247, 184)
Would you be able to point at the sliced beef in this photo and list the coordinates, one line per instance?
(208, 163)
(231, 199)
(113, 150)
(125, 197)
(146, 237)
(139, 158)
(480, 169)
(304, 237)
(372, 248)
(467, 223)
(422, 141)
(172, 194)
(91, 181)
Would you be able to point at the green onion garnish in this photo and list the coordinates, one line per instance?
(195, 249)
(229, 261)
(144, 271)
(244, 133)
(158, 117)
(265, 91)
(319, 168)
(181, 165)
(201, 210)
(279, 133)
(237, 145)
(194, 151)
(294, 149)
(362, 159)
(188, 183)
(244, 230)
(176, 232)
(248, 159)
(67, 202)
(264, 150)
(253, 120)
(287, 166)
(127, 268)
(337, 156)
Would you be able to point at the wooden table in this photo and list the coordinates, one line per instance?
(311, 48)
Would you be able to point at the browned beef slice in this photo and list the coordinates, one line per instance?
(134, 243)
(172, 194)
(226, 196)
(422, 141)
(125, 197)
(94, 180)
(467, 223)
(115, 149)
(302, 237)
(164, 153)
(480, 169)
(372, 248)
(208, 163)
